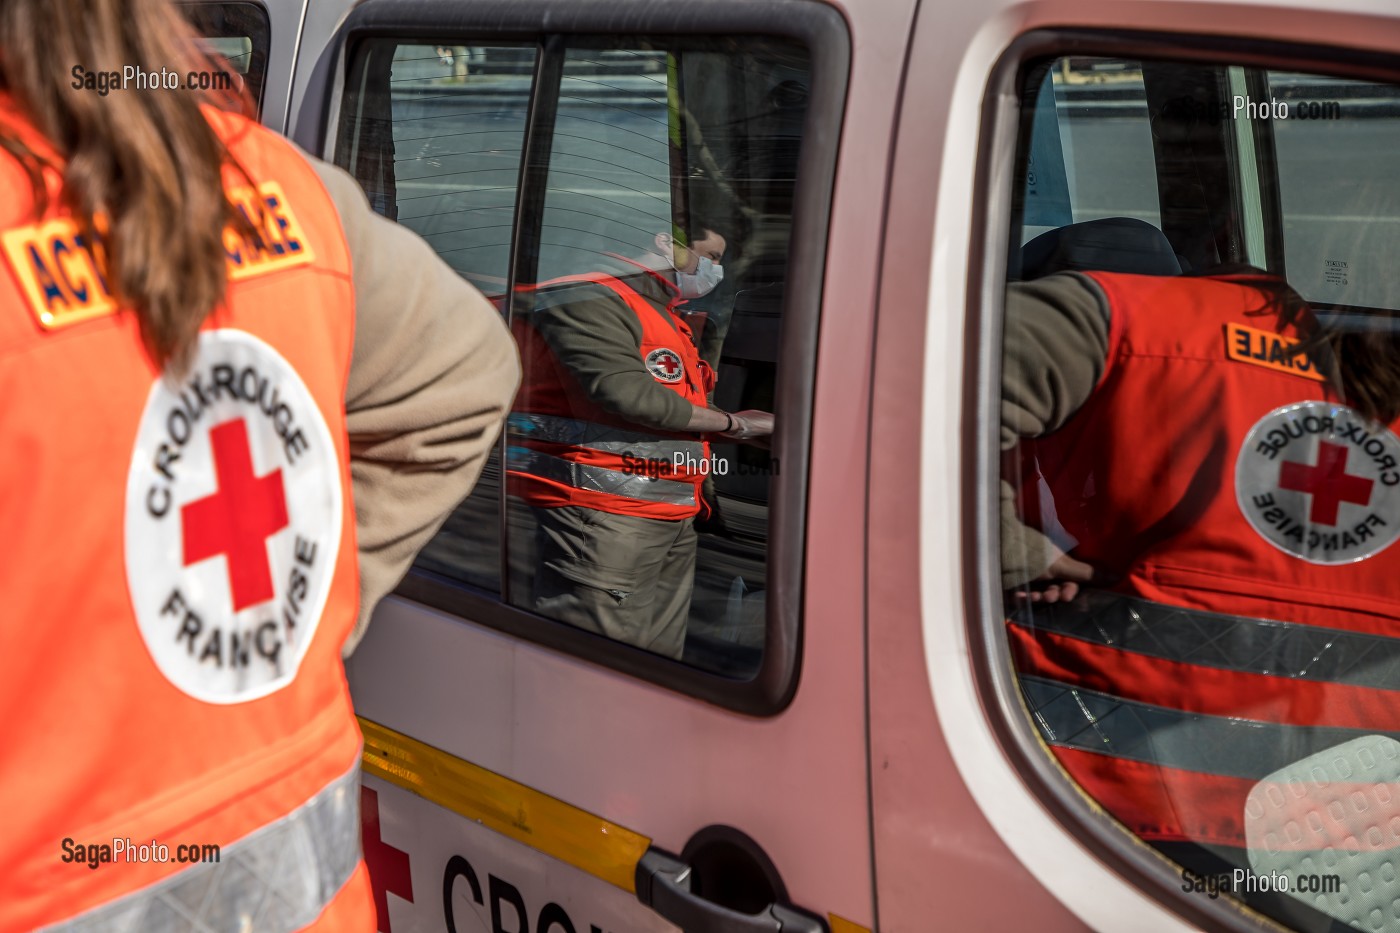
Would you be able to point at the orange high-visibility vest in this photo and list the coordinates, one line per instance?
(566, 450)
(178, 574)
(1213, 472)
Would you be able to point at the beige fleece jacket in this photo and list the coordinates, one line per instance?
(1053, 353)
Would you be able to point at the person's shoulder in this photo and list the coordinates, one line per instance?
(578, 307)
(257, 149)
(594, 287)
(1069, 292)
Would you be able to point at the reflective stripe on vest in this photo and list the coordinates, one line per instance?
(1167, 715)
(1073, 717)
(558, 419)
(1219, 640)
(556, 430)
(277, 879)
(599, 479)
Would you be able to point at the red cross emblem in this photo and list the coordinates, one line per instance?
(1328, 483)
(388, 865)
(237, 520)
(665, 364)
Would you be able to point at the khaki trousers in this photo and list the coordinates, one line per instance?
(622, 576)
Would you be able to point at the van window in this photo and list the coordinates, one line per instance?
(629, 203)
(1197, 524)
(238, 33)
(661, 156)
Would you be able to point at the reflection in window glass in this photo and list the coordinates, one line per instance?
(435, 138)
(236, 50)
(609, 189)
(1199, 494)
(662, 263)
(458, 132)
(1340, 193)
(1101, 114)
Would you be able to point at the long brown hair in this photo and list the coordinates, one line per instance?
(1365, 359)
(146, 162)
(1359, 350)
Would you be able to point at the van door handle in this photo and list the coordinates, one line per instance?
(663, 884)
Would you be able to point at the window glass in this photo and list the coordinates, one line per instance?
(1093, 146)
(236, 50)
(238, 33)
(659, 276)
(1341, 203)
(1200, 473)
(646, 291)
(609, 187)
(434, 131)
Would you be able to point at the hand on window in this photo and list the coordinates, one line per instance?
(749, 424)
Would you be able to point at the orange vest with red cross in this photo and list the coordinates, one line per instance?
(566, 450)
(1250, 519)
(179, 574)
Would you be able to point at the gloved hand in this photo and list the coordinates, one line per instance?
(749, 424)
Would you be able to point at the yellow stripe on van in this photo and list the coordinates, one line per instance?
(577, 837)
(842, 925)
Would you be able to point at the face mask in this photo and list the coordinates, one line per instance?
(702, 281)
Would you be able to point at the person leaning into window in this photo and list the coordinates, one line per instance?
(1199, 489)
(209, 342)
(608, 440)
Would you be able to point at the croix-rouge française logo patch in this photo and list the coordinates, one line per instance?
(666, 365)
(233, 521)
(1321, 482)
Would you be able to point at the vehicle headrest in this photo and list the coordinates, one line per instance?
(1112, 244)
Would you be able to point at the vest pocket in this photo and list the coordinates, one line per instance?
(1268, 599)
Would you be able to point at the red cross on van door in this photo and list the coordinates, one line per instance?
(388, 866)
(238, 518)
(1328, 483)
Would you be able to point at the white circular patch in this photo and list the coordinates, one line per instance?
(1319, 481)
(233, 519)
(666, 365)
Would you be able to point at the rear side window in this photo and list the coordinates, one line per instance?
(629, 203)
(239, 34)
(1199, 484)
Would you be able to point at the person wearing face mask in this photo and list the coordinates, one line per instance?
(609, 440)
(702, 280)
